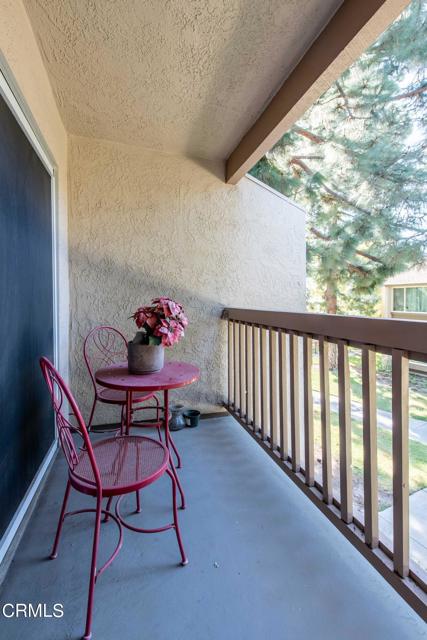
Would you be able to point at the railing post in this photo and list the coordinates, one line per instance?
(273, 389)
(248, 370)
(308, 411)
(400, 415)
(346, 487)
(370, 473)
(230, 363)
(325, 417)
(236, 338)
(242, 370)
(263, 385)
(294, 398)
(255, 375)
(283, 391)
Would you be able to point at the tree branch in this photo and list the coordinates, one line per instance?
(345, 99)
(320, 235)
(308, 134)
(409, 94)
(369, 256)
(354, 268)
(334, 194)
(359, 252)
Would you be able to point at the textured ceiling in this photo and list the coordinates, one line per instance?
(183, 76)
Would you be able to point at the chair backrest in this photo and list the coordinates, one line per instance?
(62, 402)
(103, 346)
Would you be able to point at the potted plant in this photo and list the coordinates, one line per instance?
(161, 324)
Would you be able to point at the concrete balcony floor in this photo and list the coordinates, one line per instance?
(264, 562)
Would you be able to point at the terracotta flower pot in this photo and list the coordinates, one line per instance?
(145, 358)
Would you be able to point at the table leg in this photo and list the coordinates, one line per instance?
(128, 410)
(167, 438)
(128, 425)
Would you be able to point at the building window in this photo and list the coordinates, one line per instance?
(412, 299)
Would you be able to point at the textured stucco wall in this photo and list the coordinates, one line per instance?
(187, 77)
(144, 223)
(22, 64)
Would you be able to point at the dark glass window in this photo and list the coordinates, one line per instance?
(399, 299)
(412, 299)
(416, 299)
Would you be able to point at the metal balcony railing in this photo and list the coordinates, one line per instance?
(270, 393)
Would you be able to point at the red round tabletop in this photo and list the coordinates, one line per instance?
(172, 376)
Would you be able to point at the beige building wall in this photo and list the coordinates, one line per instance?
(144, 223)
(411, 278)
(21, 63)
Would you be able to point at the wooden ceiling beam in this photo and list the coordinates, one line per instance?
(354, 26)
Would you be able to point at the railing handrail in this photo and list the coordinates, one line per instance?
(386, 334)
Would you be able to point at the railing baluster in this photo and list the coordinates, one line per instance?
(294, 400)
(236, 366)
(308, 411)
(248, 369)
(283, 391)
(242, 369)
(255, 376)
(273, 389)
(230, 363)
(346, 485)
(370, 472)
(400, 414)
(325, 418)
(263, 382)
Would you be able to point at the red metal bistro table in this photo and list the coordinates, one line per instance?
(173, 376)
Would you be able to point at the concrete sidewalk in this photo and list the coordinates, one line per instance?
(417, 428)
(417, 527)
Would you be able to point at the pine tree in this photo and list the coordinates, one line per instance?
(356, 162)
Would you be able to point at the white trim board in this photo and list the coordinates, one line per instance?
(274, 192)
(20, 117)
(19, 515)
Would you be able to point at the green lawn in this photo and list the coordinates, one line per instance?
(417, 453)
(417, 387)
(417, 410)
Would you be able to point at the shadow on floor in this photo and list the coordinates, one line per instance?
(264, 562)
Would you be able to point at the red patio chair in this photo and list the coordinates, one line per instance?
(110, 467)
(103, 346)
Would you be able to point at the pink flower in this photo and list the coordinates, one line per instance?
(151, 319)
(140, 317)
(164, 318)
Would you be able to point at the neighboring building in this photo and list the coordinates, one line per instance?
(405, 295)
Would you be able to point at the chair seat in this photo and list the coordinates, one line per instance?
(125, 464)
(116, 396)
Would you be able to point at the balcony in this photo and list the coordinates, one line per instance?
(263, 560)
(133, 131)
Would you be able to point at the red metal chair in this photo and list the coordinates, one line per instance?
(103, 346)
(110, 467)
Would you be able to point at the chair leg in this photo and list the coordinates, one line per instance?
(178, 483)
(138, 502)
(107, 508)
(92, 413)
(122, 420)
(184, 559)
(178, 457)
(92, 578)
(54, 553)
